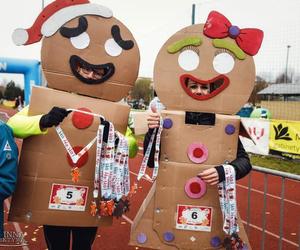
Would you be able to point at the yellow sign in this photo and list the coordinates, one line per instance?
(285, 136)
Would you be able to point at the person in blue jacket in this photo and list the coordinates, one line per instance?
(8, 167)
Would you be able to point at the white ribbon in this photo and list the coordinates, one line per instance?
(227, 197)
(75, 157)
(156, 154)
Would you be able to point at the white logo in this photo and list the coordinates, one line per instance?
(7, 147)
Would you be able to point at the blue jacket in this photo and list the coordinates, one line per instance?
(8, 167)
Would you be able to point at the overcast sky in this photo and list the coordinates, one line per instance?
(153, 22)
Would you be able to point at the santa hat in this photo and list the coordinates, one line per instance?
(54, 16)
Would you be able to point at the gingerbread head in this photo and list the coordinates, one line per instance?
(207, 67)
(85, 49)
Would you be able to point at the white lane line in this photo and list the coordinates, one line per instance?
(16, 225)
(127, 219)
(272, 234)
(270, 195)
(146, 179)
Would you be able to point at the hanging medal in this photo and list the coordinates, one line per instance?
(156, 133)
(227, 197)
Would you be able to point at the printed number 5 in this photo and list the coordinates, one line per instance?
(69, 194)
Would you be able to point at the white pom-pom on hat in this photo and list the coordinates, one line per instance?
(20, 36)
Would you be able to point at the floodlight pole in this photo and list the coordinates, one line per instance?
(193, 13)
(287, 62)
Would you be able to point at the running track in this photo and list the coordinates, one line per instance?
(117, 236)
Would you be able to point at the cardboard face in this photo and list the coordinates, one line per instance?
(93, 56)
(192, 74)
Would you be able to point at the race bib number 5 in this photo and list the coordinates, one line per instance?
(68, 197)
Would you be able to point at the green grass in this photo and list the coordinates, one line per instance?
(284, 165)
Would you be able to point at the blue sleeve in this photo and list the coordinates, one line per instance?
(8, 162)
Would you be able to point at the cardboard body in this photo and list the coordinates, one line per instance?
(159, 213)
(221, 146)
(44, 162)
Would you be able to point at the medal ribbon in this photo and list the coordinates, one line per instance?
(98, 161)
(75, 157)
(106, 165)
(227, 197)
(156, 153)
(121, 181)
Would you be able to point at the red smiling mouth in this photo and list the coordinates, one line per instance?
(214, 86)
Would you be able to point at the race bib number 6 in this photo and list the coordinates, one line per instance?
(195, 218)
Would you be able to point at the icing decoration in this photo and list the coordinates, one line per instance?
(189, 41)
(218, 26)
(81, 42)
(168, 123)
(223, 62)
(169, 236)
(112, 48)
(72, 32)
(229, 129)
(82, 120)
(216, 85)
(141, 238)
(222, 43)
(227, 197)
(53, 16)
(197, 152)
(188, 60)
(124, 44)
(195, 188)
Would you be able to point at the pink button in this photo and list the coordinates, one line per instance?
(197, 152)
(195, 188)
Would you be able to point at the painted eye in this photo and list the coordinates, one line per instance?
(112, 48)
(80, 42)
(188, 60)
(223, 63)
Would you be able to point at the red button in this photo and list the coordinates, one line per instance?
(195, 187)
(81, 120)
(197, 152)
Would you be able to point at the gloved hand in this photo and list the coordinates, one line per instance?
(53, 118)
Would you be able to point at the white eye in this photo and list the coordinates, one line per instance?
(188, 60)
(81, 41)
(223, 63)
(112, 48)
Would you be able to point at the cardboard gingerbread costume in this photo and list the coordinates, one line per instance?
(90, 60)
(181, 211)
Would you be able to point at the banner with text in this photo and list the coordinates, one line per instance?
(258, 130)
(285, 136)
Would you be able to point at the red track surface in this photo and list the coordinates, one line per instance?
(117, 236)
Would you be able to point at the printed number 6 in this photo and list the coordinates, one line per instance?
(194, 215)
(69, 194)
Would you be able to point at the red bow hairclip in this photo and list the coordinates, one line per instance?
(218, 26)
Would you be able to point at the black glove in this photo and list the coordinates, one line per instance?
(53, 118)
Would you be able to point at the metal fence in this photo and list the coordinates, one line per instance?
(267, 172)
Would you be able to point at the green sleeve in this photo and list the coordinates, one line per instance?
(24, 125)
(132, 143)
